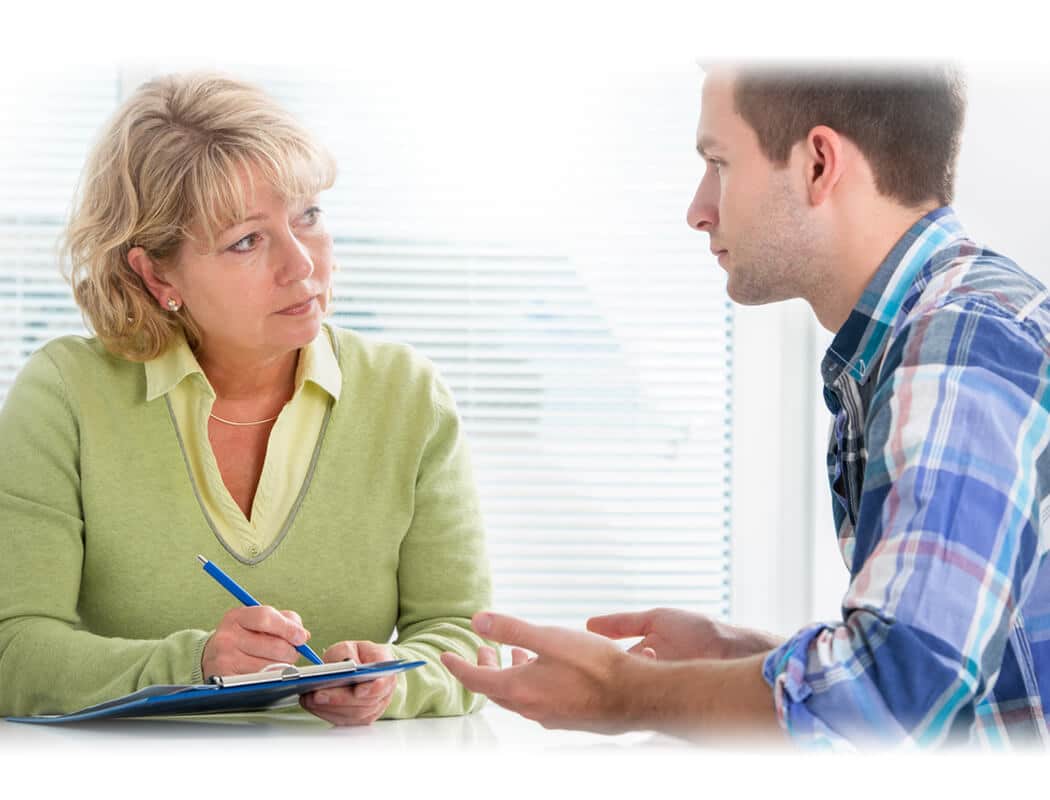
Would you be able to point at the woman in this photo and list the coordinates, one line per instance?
(214, 413)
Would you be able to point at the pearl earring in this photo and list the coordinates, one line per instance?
(173, 304)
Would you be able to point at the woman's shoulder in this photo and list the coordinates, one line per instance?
(77, 369)
(387, 369)
(359, 353)
(79, 358)
(75, 347)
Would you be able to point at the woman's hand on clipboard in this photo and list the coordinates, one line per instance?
(361, 704)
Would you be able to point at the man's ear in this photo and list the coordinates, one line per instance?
(146, 268)
(824, 160)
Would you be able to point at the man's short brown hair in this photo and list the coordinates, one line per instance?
(906, 121)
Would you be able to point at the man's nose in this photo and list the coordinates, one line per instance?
(703, 211)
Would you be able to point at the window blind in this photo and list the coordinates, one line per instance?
(528, 236)
(50, 121)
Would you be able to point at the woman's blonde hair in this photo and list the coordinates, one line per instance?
(170, 167)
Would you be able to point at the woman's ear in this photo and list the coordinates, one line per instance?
(824, 160)
(145, 267)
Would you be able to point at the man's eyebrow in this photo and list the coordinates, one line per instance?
(705, 145)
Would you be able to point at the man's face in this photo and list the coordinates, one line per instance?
(754, 211)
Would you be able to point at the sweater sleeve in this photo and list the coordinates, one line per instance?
(443, 574)
(48, 663)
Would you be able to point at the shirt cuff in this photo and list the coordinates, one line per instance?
(784, 671)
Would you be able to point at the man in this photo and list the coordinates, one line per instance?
(836, 188)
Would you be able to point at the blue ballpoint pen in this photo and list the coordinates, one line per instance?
(231, 586)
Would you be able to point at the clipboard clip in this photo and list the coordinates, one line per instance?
(279, 672)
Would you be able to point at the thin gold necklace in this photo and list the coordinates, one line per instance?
(242, 424)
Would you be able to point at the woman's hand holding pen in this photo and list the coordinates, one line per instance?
(362, 704)
(251, 638)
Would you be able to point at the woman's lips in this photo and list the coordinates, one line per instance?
(299, 308)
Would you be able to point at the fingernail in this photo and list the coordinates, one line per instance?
(321, 699)
(482, 623)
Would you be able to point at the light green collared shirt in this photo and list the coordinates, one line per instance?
(289, 452)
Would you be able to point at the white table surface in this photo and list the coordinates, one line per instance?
(269, 755)
(491, 754)
(491, 728)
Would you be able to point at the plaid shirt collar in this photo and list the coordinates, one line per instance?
(859, 343)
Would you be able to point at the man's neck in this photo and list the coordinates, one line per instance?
(868, 236)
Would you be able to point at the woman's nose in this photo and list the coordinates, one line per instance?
(297, 263)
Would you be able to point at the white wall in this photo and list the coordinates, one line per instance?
(1004, 168)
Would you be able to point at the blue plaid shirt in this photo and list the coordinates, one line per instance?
(939, 463)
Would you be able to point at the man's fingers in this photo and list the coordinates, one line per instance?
(514, 631)
(620, 626)
(642, 649)
(482, 680)
(487, 657)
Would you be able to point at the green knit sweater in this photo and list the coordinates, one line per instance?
(100, 589)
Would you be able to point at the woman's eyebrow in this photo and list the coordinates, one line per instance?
(253, 218)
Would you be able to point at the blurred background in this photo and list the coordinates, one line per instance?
(511, 200)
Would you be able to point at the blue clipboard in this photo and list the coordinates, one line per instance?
(257, 691)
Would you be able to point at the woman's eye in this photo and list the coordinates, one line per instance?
(311, 215)
(246, 244)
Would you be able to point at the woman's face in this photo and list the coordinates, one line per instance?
(263, 291)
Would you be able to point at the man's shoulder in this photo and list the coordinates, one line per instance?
(972, 307)
(967, 279)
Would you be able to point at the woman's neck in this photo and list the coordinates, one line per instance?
(250, 382)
